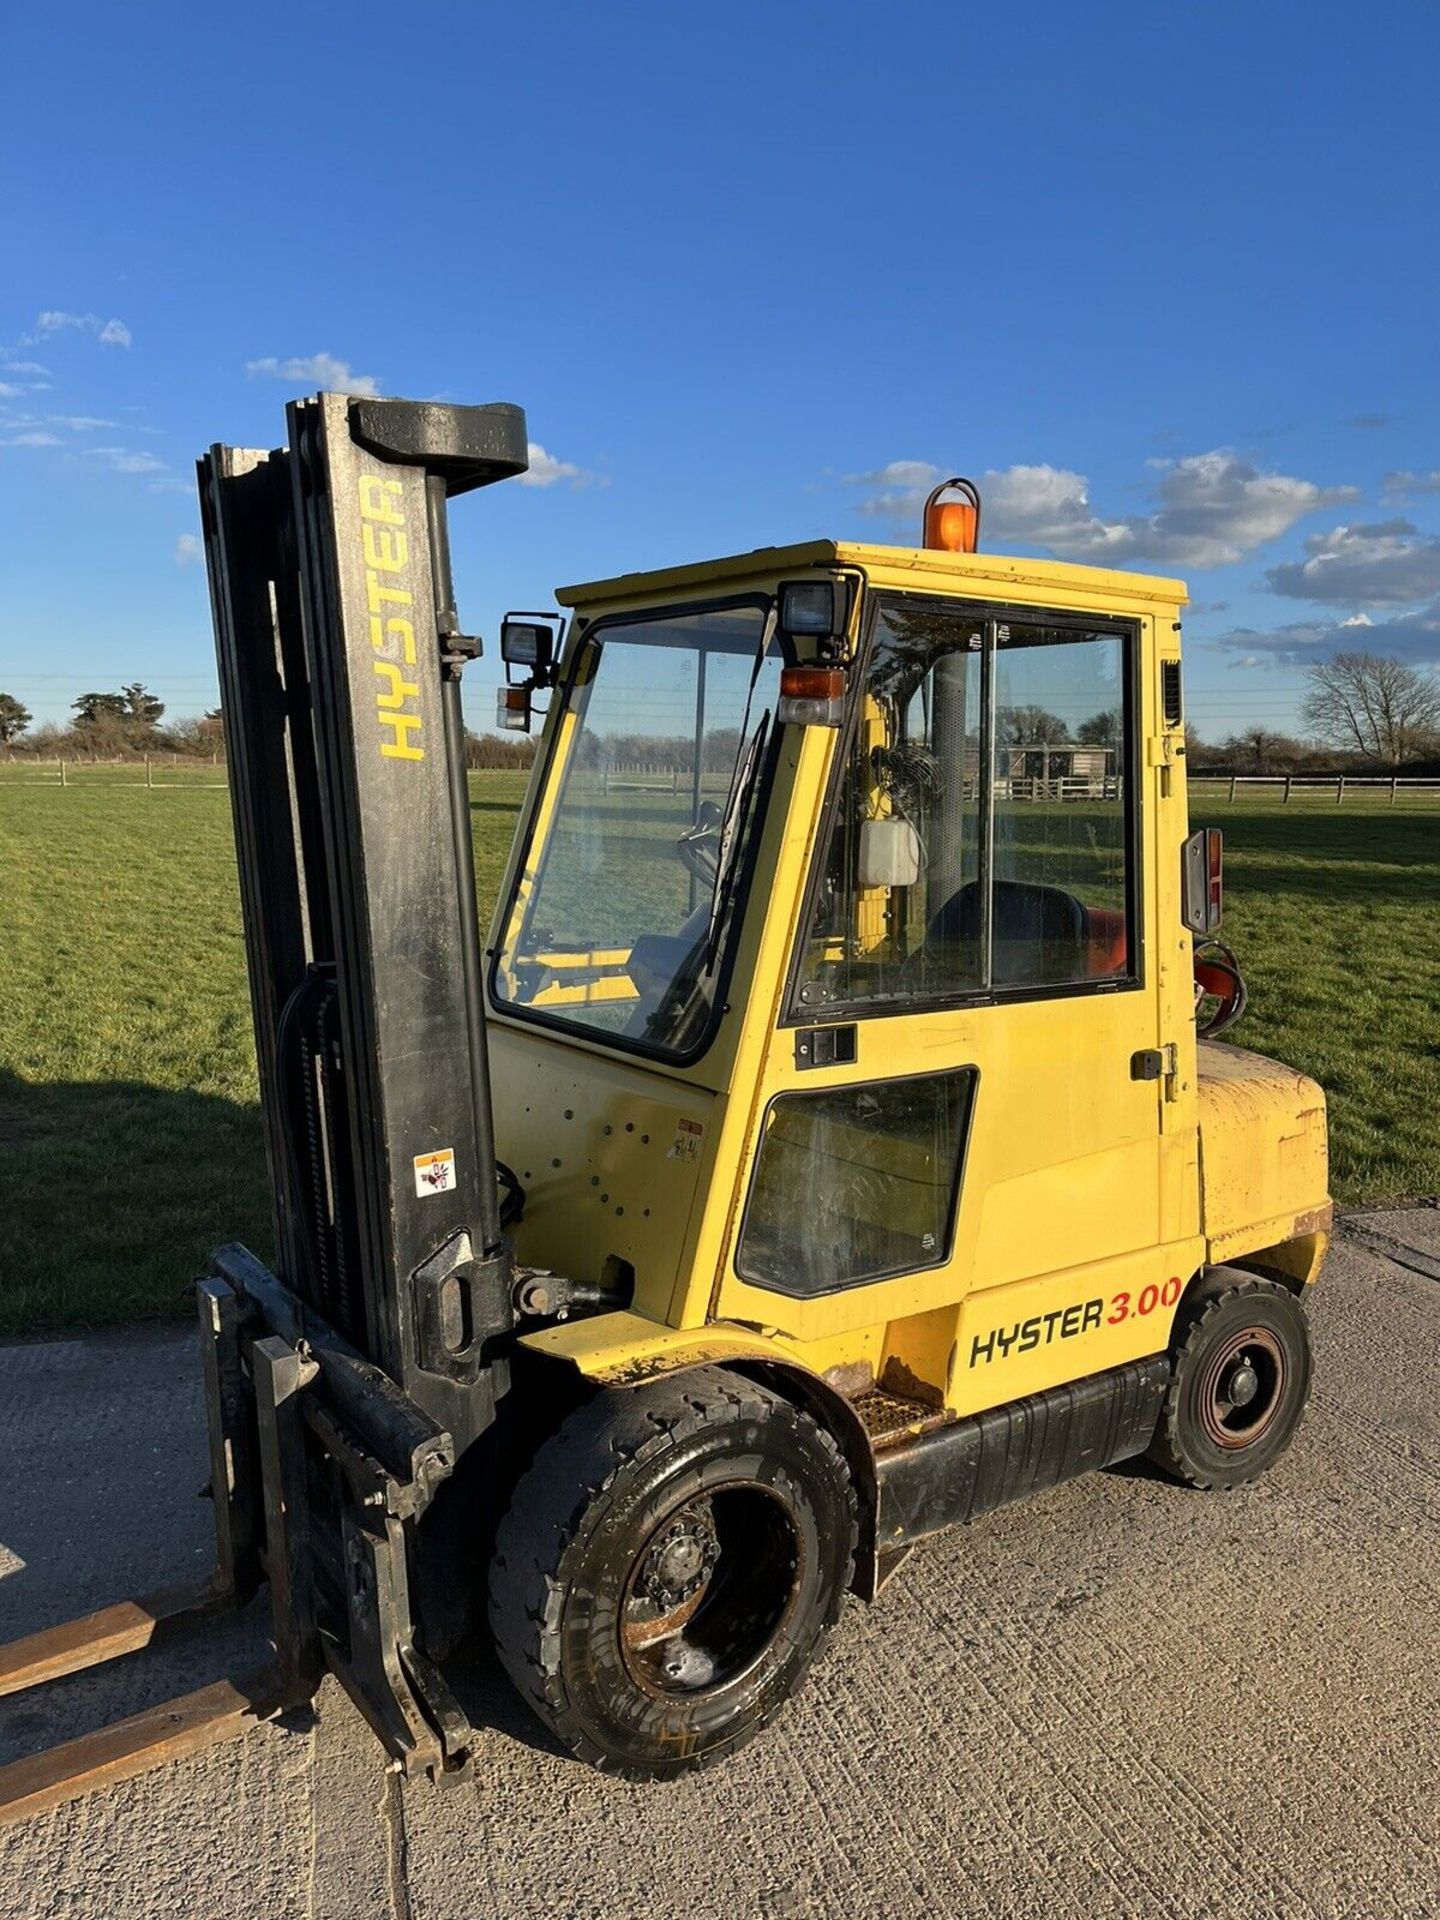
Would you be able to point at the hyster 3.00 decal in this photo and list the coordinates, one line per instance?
(1065, 1323)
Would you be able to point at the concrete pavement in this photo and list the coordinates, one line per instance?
(1121, 1699)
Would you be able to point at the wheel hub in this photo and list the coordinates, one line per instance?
(1243, 1385)
(680, 1559)
(1242, 1388)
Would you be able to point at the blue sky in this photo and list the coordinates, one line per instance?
(1163, 275)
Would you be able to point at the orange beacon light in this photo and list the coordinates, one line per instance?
(953, 526)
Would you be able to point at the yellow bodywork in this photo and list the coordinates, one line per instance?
(1263, 1162)
(1090, 1198)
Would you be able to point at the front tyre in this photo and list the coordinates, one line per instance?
(1240, 1382)
(671, 1563)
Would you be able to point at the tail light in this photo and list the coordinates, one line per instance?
(512, 709)
(1202, 880)
(812, 696)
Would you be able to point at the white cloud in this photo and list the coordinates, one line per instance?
(1383, 564)
(1358, 620)
(899, 488)
(1212, 509)
(545, 470)
(78, 422)
(110, 333)
(320, 370)
(123, 460)
(1413, 637)
(37, 438)
(23, 366)
(189, 551)
(8, 391)
(1401, 485)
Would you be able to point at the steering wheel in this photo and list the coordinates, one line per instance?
(699, 846)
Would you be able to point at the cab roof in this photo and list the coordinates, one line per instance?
(978, 575)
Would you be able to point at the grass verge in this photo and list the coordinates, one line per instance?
(129, 1132)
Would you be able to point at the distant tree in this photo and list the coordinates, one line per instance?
(14, 719)
(1100, 730)
(1377, 706)
(491, 750)
(1193, 743)
(141, 705)
(120, 722)
(1030, 727)
(1258, 750)
(199, 733)
(93, 709)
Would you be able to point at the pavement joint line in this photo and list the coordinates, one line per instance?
(1399, 1252)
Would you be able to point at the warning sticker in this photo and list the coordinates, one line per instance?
(435, 1172)
(689, 1138)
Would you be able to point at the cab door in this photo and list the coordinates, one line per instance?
(956, 1160)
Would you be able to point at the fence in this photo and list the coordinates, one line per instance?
(1324, 785)
(134, 770)
(1070, 786)
(199, 772)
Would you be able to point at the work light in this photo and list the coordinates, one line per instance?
(813, 609)
(525, 643)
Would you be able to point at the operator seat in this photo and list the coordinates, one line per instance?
(1041, 934)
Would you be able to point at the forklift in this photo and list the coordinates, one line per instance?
(830, 1143)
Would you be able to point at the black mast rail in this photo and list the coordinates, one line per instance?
(340, 658)
(334, 611)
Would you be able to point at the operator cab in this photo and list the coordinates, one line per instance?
(662, 763)
(842, 982)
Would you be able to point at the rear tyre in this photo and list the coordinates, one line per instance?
(670, 1565)
(1240, 1382)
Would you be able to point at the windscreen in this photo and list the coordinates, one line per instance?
(621, 915)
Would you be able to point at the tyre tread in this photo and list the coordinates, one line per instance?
(573, 1470)
(1211, 1298)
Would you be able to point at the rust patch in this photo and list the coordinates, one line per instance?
(889, 1419)
(896, 1378)
(639, 1634)
(1318, 1220)
(851, 1377)
(667, 1360)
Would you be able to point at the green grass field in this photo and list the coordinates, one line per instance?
(129, 1133)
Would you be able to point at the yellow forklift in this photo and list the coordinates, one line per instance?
(830, 1143)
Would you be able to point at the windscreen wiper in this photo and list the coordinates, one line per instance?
(737, 808)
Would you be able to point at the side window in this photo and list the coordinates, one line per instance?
(981, 838)
(854, 1183)
(904, 856)
(1059, 888)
